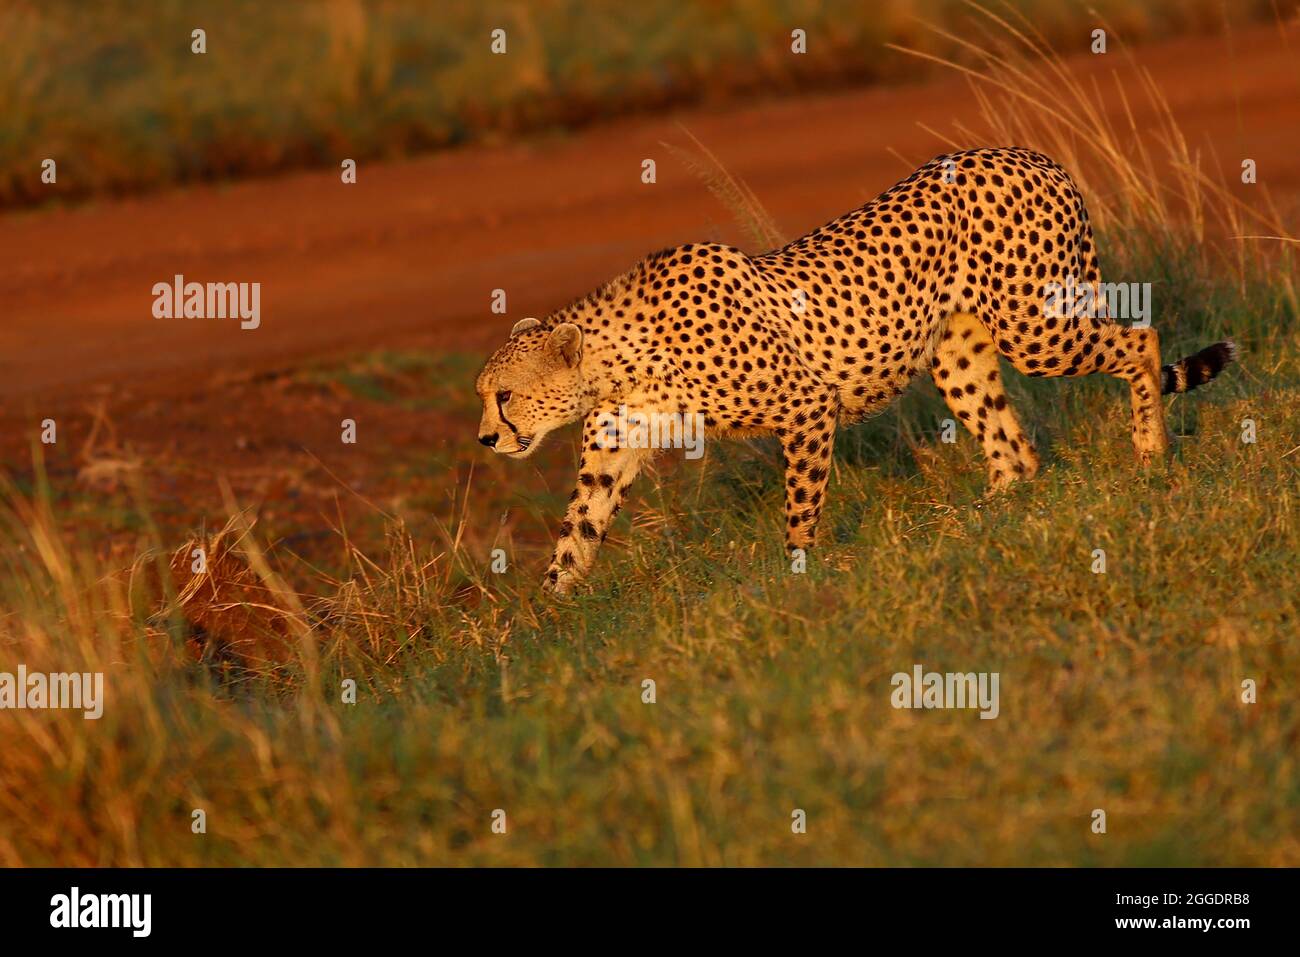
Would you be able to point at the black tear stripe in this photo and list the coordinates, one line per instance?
(502, 412)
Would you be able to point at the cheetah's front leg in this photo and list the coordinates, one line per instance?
(605, 472)
(807, 442)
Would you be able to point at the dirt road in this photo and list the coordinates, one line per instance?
(412, 252)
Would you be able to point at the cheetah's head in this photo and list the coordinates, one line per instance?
(530, 386)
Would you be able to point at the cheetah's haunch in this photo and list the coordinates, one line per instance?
(945, 271)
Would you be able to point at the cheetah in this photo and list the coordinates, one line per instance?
(948, 270)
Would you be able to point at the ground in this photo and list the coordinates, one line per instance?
(1121, 691)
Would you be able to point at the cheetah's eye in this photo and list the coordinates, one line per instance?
(503, 396)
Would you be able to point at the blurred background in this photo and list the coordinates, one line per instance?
(521, 171)
(518, 171)
(113, 88)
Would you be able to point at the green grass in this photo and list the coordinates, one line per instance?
(113, 93)
(408, 380)
(1118, 691)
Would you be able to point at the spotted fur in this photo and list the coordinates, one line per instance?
(945, 271)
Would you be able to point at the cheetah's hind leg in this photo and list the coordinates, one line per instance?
(965, 368)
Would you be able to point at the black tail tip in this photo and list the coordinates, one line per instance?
(1186, 374)
(1220, 355)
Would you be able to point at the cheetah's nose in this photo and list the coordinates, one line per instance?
(489, 440)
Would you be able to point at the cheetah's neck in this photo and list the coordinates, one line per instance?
(615, 360)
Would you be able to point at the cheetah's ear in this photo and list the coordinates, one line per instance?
(566, 342)
(523, 325)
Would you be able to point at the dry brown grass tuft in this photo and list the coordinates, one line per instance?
(732, 192)
(231, 613)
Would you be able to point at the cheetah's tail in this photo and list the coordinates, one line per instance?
(1186, 374)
